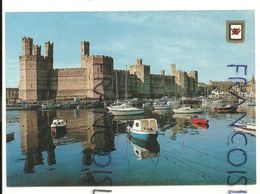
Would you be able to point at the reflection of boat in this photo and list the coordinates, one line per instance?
(58, 124)
(9, 137)
(48, 106)
(123, 118)
(59, 133)
(144, 129)
(226, 109)
(145, 149)
(187, 110)
(201, 126)
(199, 121)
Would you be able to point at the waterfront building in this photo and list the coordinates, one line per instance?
(95, 78)
(12, 94)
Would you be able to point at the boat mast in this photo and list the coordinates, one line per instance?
(116, 89)
(126, 84)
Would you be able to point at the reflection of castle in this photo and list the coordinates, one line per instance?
(35, 139)
(86, 127)
(96, 77)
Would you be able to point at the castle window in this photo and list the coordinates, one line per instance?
(101, 69)
(97, 70)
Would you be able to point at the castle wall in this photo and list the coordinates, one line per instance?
(96, 78)
(69, 83)
(119, 84)
(162, 85)
(143, 82)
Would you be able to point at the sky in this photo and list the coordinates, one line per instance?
(193, 40)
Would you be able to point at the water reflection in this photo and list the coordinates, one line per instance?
(145, 149)
(85, 148)
(93, 130)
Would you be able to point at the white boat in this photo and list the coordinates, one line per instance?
(144, 129)
(187, 110)
(58, 124)
(158, 106)
(247, 126)
(124, 109)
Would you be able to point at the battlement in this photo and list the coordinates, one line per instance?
(49, 49)
(102, 59)
(27, 39)
(49, 43)
(70, 72)
(31, 57)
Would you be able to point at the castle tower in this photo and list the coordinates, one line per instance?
(173, 67)
(49, 50)
(85, 50)
(49, 55)
(34, 70)
(193, 76)
(36, 50)
(142, 73)
(27, 44)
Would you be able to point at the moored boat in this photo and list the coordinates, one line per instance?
(48, 106)
(247, 125)
(125, 109)
(161, 107)
(199, 120)
(58, 124)
(145, 129)
(226, 109)
(9, 137)
(187, 110)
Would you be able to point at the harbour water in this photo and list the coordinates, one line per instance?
(96, 150)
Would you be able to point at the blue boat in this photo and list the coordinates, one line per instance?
(144, 129)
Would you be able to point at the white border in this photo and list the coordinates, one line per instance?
(126, 5)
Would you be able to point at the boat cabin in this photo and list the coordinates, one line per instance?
(58, 122)
(145, 124)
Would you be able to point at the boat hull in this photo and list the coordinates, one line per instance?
(143, 136)
(126, 112)
(226, 110)
(199, 121)
(161, 107)
(187, 111)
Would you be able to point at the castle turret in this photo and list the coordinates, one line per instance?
(139, 61)
(49, 50)
(84, 48)
(142, 73)
(27, 46)
(173, 67)
(36, 50)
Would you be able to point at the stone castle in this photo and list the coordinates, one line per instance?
(96, 78)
